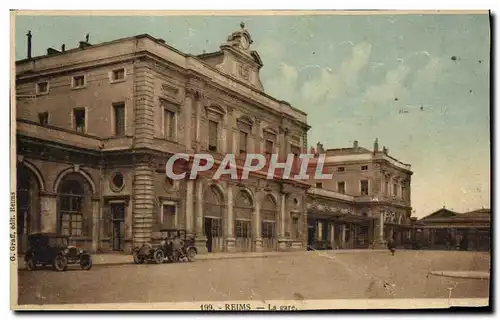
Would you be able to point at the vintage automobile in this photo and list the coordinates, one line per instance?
(319, 245)
(163, 251)
(54, 249)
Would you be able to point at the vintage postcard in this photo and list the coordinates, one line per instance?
(250, 161)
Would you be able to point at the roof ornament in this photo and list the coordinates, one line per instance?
(242, 25)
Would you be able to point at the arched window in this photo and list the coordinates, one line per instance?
(71, 198)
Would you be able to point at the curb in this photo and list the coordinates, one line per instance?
(200, 258)
(478, 275)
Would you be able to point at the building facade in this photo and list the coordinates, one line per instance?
(445, 229)
(367, 201)
(96, 125)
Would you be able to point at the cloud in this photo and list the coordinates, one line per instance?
(329, 85)
(284, 85)
(325, 85)
(269, 50)
(357, 60)
(430, 73)
(392, 87)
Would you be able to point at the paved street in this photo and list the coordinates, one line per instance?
(308, 275)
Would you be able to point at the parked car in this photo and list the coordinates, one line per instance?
(54, 249)
(319, 245)
(163, 251)
(188, 250)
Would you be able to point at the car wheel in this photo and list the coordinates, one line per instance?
(31, 264)
(61, 263)
(175, 258)
(159, 256)
(137, 258)
(86, 263)
(191, 254)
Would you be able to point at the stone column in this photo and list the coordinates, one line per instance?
(188, 115)
(226, 138)
(259, 138)
(379, 241)
(201, 239)
(332, 234)
(189, 216)
(96, 218)
(342, 236)
(281, 237)
(48, 206)
(234, 148)
(283, 140)
(198, 112)
(143, 200)
(230, 240)
(257, 232)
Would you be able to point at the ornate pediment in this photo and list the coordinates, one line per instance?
(238, 60)
(240, 39)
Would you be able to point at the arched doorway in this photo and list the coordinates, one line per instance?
(74, 213)
(269, 213)
(28, 206)
(213, 219)
(243, 226)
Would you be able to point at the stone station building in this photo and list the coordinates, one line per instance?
(97, 123)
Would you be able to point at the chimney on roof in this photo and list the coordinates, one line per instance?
(63, 48)
(355, 144)
(29, 43)
(385, 150)
(51, 51)
(375, 145)
(161, 40)
(86, 43)
(319, 148)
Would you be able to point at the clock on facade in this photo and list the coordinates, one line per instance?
(244, 42)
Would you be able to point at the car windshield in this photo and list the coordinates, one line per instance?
(58, 242)
(172, 234)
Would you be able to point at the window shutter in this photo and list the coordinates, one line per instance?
(119, 119)
(243, 141)
(212, 133)
(171, 124)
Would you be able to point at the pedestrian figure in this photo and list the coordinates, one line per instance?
(177, 246)
(391, 246)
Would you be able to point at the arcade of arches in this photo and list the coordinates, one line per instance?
(223, 216)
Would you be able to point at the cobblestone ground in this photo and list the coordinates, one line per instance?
(308, 275)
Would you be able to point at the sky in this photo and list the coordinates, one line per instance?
(418, 83)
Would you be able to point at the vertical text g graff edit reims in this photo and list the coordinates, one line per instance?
(12, 222)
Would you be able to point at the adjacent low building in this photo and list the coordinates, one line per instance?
(365, 203)
(447, 229)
